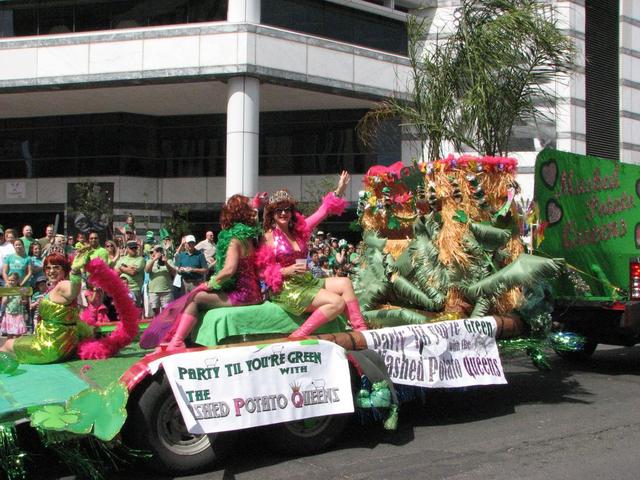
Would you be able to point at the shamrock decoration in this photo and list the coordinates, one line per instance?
(101, 412)
(393, 223)
(461, 216)
(54, 417)
(8, 363)
(104, 411)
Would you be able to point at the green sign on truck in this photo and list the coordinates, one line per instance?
(590, 215)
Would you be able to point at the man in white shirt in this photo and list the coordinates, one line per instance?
(6, 248)
(208, 248)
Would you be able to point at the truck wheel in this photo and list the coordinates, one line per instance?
(155, 424)
(304, 437)
(581, 355)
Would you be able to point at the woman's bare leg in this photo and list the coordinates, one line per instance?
(342, 286)
(7, 346)
(325, 307)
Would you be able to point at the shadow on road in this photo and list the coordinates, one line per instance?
(608, 360)
(438, 407)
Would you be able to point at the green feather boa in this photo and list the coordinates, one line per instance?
(239, 231)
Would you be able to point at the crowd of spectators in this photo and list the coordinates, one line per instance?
(154, 270)
(330, 257)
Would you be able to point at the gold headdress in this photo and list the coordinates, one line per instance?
(281, 196)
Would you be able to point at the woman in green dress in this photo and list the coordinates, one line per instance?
(57, 334)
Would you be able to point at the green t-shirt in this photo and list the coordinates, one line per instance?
(135, 281)
(27, 243)
(159, 279)
(101, 253)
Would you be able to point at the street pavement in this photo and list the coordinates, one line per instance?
(574, 422)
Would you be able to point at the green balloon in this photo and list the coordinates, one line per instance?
(8, 363)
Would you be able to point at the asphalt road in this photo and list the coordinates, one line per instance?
(575, 422)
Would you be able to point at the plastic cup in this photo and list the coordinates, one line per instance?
(301, 261)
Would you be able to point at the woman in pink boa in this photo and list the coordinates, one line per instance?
(282, 260)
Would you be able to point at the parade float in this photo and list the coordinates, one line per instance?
(444, 283)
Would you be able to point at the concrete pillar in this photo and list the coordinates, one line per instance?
(240, 11)
(243, 116)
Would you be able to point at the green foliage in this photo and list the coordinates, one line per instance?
(178, 225)
(94, 201)
(314, 191)
(393, 317)
(371, 283)
(471, 87)
(507, 53)
(524, 271)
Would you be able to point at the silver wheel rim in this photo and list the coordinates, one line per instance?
(308, 427)
(173, 434)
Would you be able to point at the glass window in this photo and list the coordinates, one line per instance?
(92, 17)
(207, 10)
(53, 20)
(18, 21)
(337, 22)
(291, 143)
(168, 12)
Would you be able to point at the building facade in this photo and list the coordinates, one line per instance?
(182, 103)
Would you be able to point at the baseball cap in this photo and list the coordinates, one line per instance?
(320, 232)
(132, 243)
(40, 278)
(189, 239)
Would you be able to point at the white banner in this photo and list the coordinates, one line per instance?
(234, 388)
(455, 353)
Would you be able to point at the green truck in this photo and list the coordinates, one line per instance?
(589, 214)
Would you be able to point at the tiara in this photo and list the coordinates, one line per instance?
(281, 196)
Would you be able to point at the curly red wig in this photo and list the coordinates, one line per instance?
(237, 209)
(57, 259)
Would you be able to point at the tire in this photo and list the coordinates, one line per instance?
(581, 355)
(155, 424)
(304, 437)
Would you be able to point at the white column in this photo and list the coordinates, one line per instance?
(243, 115)
(240, 11)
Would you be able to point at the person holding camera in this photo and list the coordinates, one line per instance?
(160, 273)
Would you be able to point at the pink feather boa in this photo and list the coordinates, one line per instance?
(301, 230)
(269, 268)
(333, 205)
(127, 328)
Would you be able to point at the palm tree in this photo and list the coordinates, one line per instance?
(496, 68)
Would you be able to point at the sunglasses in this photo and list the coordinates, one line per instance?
(283, 211)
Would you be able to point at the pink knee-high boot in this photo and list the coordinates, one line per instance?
(310, 325)
(186, 322)
(355, 316)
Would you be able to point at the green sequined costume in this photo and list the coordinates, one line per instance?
(298, 291)
(55, 337)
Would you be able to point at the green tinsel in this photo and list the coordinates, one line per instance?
(86, 456)
(11, 457)
(536, 347)
(239, 231)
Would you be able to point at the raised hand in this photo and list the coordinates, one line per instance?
(344, 180)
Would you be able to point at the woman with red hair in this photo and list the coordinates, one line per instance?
(235, 282)
(282, 260)
(56, 335)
